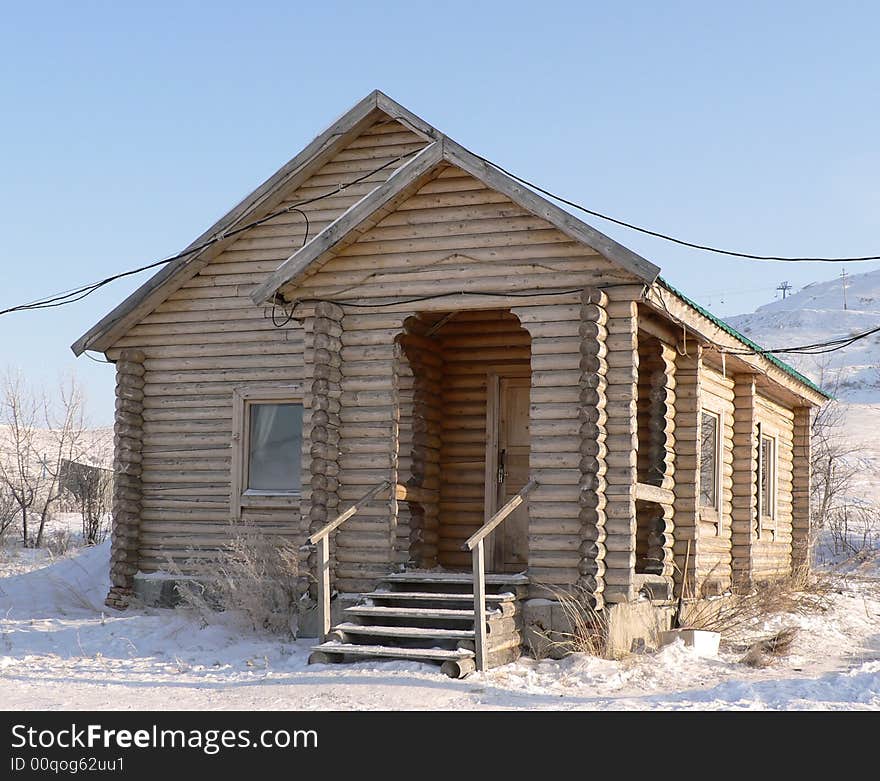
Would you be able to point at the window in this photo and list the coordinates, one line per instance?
(274, 439)
(267, 447)
(766, 481)
(710, 439)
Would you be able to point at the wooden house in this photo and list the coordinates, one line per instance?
(471, 378)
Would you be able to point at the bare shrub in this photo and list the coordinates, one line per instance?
(853, 528)
(92, 490)
(588, 627)
(38, 436)
(801, 593)
(9, 513)
(254, 576)
(58, 542)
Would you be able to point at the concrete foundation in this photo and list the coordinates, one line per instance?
(628, 627)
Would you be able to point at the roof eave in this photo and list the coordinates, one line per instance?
(103, 333)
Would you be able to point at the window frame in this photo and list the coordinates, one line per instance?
(712, 513)
(767, 521)
(243, 399)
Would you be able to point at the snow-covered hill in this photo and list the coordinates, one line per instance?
(816, 313)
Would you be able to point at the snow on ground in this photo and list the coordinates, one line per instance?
(61, 649)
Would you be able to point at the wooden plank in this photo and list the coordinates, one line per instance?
(353, 220)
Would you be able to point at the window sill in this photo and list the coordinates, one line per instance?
(270, 499)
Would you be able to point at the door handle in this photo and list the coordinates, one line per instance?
(502, 473)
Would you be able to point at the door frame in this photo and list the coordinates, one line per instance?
(493, 416)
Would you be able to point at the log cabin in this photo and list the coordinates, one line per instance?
(460, 399)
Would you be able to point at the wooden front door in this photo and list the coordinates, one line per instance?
(507, 461)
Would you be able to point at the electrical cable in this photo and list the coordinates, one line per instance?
(77, 294)
(673, 239)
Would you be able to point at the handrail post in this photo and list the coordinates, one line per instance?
(480, 607)
(321, 539)
(475, 544)
(324, 586)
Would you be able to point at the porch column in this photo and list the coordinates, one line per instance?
(662, 438)
(320, 467)
(743, 523)
(622, 444)
(555, 527)
(423, 438)
(593, 433)
(368, 446)
(800, 490)
(128, 439)
(688, 369)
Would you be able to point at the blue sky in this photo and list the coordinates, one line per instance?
(128, 128)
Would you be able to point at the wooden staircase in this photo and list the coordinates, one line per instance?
(429, 616)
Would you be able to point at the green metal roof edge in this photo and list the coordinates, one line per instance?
(744, 339)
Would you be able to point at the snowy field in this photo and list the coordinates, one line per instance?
(61, 649)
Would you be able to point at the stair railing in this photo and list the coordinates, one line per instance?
(321, 539)
(475, 545)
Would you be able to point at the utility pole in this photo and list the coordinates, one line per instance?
(784, 287)
(843, 277)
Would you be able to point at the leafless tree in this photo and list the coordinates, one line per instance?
(8, 511)
(38, 437)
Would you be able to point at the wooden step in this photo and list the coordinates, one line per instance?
(437, 596)
(384, 651)
(414, 612)
(427, 576)
(408, 632)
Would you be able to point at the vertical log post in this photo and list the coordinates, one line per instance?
(479, 565)
(323, 579)
(593, 418)
(323, 344)
(800, 520)
(744, 520)
(425, 358)
(128, 443)
(662, 397)
(622, 444)
(688, 369)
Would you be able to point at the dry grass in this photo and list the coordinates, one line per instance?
(588, 627)
(762, 653)
(255, 576)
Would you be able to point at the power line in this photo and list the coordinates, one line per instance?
(77, 294)
(673, 239)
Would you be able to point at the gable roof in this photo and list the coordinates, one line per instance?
(324, 146)
(367, 212)
(403, 181)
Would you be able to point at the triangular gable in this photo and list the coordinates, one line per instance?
(258, 203)
(373, 207)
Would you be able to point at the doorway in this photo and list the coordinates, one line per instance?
(507, 467)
